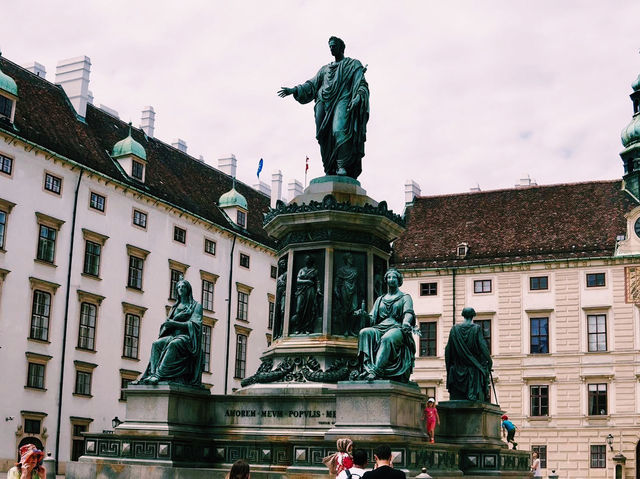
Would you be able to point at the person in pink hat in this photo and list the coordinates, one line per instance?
(30, 465)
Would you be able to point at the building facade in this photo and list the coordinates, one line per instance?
(98, 221)
(553, 274)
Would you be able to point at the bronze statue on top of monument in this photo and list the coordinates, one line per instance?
(341, 94)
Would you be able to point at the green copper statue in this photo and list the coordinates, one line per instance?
(468, 361)
(176, 356)
(341, 94)
(386, 349)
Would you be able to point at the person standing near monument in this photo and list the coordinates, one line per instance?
(239, 470)
(535, 465)
(431, 416)
(509, 430)
(384, 467)
(341, 111)
(341, 459)
(359, 463)
(468, 361)
(30, 465)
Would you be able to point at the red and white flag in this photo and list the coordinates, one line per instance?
(306, 168)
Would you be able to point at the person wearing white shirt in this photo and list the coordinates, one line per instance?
(359, 464)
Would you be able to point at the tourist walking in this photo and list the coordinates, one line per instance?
(431, 418)
(383, 468)
(239, 470)
(341, 459)
(359, 463)
(30, 465)
(509, 430)
(535, 465)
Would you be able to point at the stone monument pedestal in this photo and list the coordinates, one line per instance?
(469, 423)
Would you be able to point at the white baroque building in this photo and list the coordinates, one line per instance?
(98, 221)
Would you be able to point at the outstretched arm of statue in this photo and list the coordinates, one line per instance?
(285, 91)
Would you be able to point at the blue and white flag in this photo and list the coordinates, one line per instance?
(259, 167)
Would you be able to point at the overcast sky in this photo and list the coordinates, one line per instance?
(462, 93)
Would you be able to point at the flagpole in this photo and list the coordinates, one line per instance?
(306, 169)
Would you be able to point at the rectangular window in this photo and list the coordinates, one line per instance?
(97, 201)
(539, 335)
(131, 336)
(40, 313)
(597, 332)
(482, 286)
(206, 347)
(538, 282)
(6, 105)
(179, 234)
(174, 277)
(139, 218)
(137, 169)
(83, 383)
(47, 244)
(32, 426)
(6, 164)
(274, 272)
(3, 225)
(209, 246)
(595, 279)
(485, 324)
(241, 356)
(428, 289)
(597, 399)
(598, 456)
(52, 183)
(77, 441)
(92, 258)
(243, 306)
(87, 331)
(428, 339)
(124, 384)
(35, 376)
(542, 455)
(242, 218)
(207, 295)
(135, 272)
(272, 311)
(244, 260)
(539, 400)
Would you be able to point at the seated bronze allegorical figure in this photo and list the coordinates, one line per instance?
(386, 349)
(176, 356)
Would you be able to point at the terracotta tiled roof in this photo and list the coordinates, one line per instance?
(537, 223)
(45, 117)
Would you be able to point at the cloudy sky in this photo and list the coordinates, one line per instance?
(462, 93)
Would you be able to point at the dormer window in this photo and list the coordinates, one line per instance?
(8, 96)
(462, 250)
(6, 107)
(242, 218)
(137, 170)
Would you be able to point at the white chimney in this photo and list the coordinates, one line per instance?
(411, 190)
(476, 188)
(262, 187)
(295, 189)
(148, 121)
(228, 165)
(73, 75)
(200, 158)
(276, 187)
(180, 144)
(108, 110)
(90, 97)
(526, 181)
(37, 68)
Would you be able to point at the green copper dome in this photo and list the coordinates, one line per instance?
(8, 84)
(129, 146)
(631, 133)
(233, 198)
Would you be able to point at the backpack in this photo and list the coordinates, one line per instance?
(349, 475)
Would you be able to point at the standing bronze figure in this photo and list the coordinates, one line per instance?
(307, 296)
(468, 361)
(341, 94)
(176, 356)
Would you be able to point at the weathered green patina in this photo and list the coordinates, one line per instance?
(468, 361)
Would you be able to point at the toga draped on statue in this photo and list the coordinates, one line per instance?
(468, 363)
(340, 133)
(388, 350)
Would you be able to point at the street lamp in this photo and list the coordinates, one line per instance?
(610, 441)
(115, 422)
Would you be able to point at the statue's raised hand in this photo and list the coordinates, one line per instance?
(285, 92)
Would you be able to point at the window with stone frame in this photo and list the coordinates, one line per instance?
(595, 280)
(47, 244)
(174, 277)
(242, 218)
(179, 234)
(131, 336)
(52, 183)
(78, 427)
(40, 315)
(3, 225)
(6, 107)
(6, 164)
(5, 209)
(207, 294)
(35, 375)
(429, 289)
(209, 246)
(97, 202)
(596, 332)
(134, 279)
(127, 376)
(485, 325)
(84, 378)
(539, 335)
(92, 258)
(598, 456)
(597, 396)
(243, 306)
(482, 286)
(539, 396)
(537, 283)
(428, 338)
(241, 356)
(87, 329)
(206, 347)
(140, 218)
(272, 310)
(137, 170)
(542, 455)
(244, 260)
